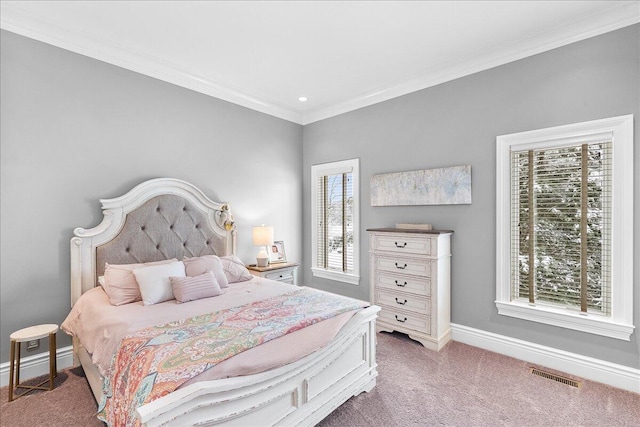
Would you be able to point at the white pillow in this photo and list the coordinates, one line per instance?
(120, 283)
(154, 282)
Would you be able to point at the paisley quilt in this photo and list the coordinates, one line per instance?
(152, 362)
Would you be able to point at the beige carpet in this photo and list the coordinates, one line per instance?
(466, 386)
(69, 404)
(459, 386)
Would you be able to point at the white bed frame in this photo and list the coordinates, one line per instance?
(301, 393)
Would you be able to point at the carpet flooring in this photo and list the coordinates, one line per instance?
(459, 386)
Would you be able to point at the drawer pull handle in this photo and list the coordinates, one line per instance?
(401, 321)
(401, 246)
(401, 268)
(401, 303)
(402, 286)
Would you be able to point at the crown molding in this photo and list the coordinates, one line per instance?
(623, 15)
(19, 21)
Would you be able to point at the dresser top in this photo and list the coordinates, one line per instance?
(409, 230)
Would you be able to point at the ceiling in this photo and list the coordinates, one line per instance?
(340, 55)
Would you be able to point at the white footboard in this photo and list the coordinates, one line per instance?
(301, 393)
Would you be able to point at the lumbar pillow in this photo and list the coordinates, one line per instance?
(154, 282)
(188, 288)
(234, 269)
(199, 265)
(120, 284)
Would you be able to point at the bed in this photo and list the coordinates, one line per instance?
(164, 219)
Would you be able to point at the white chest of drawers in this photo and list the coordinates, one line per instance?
(410, 273)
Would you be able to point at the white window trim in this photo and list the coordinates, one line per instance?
(620, 324)
(343, 166)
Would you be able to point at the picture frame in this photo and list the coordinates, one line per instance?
(276, 252)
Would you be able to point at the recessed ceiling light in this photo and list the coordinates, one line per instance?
(302, 98)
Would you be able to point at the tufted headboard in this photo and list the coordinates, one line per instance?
(159, 219)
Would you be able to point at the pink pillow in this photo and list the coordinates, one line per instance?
(234, 269)
(199, 265)
(120, 284)
(196, 287)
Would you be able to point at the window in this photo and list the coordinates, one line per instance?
(564, 223)
(335, 220)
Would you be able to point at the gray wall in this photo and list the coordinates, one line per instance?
(76, 129)
(456, 123)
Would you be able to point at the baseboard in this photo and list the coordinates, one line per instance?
(612, 374)
(37, 364)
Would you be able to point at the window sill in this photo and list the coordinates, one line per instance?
(592, 324)
(334, 275)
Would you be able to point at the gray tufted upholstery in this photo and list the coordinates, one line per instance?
(164, 227)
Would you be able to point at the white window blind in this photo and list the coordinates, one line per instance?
(335, 216)
(335, 220)
(561, 226)
(564, 221)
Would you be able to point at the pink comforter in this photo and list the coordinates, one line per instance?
(154, 361)
(101, 326)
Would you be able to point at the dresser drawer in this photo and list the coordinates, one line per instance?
(420, 267)
(403, 301)
(403, 243)
(416, 285)
(405, 320)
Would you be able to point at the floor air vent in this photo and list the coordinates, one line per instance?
(554, 377)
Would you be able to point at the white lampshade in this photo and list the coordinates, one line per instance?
(263, 237)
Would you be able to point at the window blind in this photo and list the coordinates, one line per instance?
(335, 222)
(561, 226)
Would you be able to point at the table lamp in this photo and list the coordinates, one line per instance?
(263, 237)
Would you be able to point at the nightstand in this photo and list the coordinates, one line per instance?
(25, 335)
(286, 272)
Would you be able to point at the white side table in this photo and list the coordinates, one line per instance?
(29, 334)
(282, 272)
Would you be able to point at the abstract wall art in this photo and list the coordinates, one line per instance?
(442, 186)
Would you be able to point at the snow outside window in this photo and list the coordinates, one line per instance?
(335, 214)
(564, 246)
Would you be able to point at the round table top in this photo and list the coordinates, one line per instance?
(34, 332)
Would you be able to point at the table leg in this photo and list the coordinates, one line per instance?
(52, 359)
(55, 359)
(18, 345)
(13, 358)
